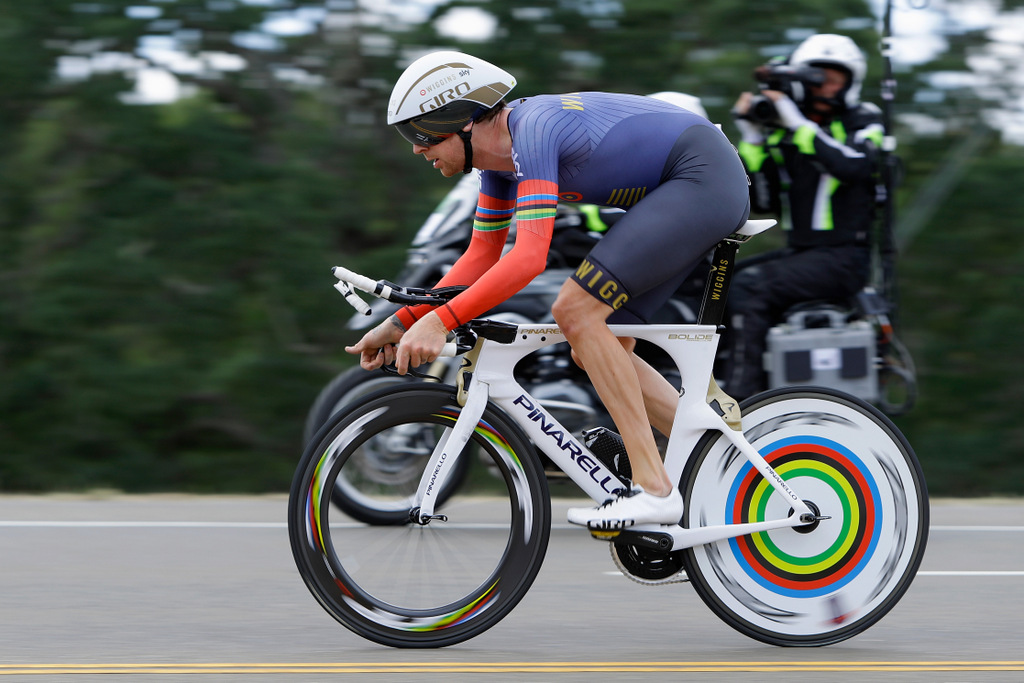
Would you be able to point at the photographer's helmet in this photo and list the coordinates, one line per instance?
(838, 52)
(681, 99)
(441, 92)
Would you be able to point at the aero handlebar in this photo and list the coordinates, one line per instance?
(389, 291)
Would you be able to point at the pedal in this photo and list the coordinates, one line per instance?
(602, 535)
(607, 530)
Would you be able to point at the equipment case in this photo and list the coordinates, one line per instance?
(821, 347)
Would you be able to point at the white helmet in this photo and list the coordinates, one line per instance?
(440, 92)
(830, 50)
(681, 99)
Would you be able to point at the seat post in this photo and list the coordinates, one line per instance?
(712, 306)
(716, 288)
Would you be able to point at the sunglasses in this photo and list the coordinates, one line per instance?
(415, 133)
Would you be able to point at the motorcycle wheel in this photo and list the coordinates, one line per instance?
(375, 487)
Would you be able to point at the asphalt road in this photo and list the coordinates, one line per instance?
(165, 588)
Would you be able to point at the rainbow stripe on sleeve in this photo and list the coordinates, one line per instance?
(492, 213)
(537, 201)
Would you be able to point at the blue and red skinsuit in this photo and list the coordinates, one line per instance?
(598, 148)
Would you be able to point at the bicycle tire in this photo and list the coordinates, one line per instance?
(822, 583)
(378, 489)
(415, 585)
(341, 391)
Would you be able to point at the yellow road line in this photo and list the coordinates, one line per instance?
(508, 667)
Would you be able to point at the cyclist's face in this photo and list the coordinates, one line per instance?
(447, 156)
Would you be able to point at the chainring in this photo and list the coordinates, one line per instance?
(649, 567)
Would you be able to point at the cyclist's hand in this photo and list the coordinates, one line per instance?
(377, 347)
(422, 343)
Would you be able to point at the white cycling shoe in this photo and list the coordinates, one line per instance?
(629, 508)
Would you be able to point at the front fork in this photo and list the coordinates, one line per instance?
(452, 444)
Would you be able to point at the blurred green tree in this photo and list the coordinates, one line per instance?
(162, 323)
(165, 316)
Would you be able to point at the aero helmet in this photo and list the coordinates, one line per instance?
(439, 93)
(830, 50)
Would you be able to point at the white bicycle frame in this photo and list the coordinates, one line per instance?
(692, 347)
(487, 375)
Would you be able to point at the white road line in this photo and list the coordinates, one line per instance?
(976, 528)
(971, 573)
(58, 524)
(144, 525)
(920, 573)
(198, 524)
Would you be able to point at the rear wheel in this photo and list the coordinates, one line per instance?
(421, 585)
(821, 583)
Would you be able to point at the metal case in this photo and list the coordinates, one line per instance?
(821, 347)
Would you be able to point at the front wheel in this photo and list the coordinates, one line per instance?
(382, 475)
(825, 582)
(421, 585)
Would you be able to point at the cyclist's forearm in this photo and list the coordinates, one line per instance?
(513, 272)
(483, 252)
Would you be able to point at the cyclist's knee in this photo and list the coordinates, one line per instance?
(563, 309)
(575, 310)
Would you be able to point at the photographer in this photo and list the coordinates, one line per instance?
(809, 145)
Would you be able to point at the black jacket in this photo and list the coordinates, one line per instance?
(822, 177)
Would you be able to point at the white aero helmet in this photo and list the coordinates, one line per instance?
(831, 50)
(681, 99)
(442, 91)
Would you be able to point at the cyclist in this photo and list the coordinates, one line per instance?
(819, 158)
(679, 179)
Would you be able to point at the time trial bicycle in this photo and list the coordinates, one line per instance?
(804, 523)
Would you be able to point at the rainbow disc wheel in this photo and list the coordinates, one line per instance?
(823, 582)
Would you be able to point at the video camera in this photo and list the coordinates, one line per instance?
(794, 81)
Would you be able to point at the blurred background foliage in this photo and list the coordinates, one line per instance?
(177, 177)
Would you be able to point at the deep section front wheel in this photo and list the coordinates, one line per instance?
(827, 581)
(383, 473)
(421, 585)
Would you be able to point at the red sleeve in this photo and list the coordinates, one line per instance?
(490, 230)
(536, 202)
(493, 278)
